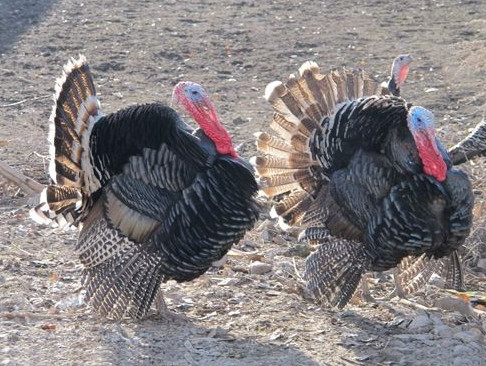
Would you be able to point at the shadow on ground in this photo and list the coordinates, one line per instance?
(16, 17)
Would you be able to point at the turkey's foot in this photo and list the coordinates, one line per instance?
(163, 312)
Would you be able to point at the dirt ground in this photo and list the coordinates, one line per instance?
(138, 50)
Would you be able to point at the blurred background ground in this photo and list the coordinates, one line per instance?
(138, 51)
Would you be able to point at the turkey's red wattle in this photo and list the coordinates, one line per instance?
(206, 118)
(402, 75)
(432, 161)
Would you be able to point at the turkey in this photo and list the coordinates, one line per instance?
(154, 199)
(365, 174)
(398, 75)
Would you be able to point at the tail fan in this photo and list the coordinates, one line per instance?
(334, 270)
(471, 146)
(288, 172)
(75, 111)
(414, 272)
(60, 206)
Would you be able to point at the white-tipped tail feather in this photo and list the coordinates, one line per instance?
(285, 165)
(75, 111)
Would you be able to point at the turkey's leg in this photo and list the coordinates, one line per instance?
(163, 311)
(365, 290)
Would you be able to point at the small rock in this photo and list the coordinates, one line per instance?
(49, 326)
(70, 302)
(259, 268)
(220, 262)
(460, 361)
(284, 268)
(455, 304)
(298, 250)
(461, 350)
(219, 332)
(267, 224)
(437, 281)
(267, 235)
(437, 320)
(482, 263)
(239, 121)
(113, 65)
(473, 335)
(420, 322)
(444, 331)
(448, 343)
(280, 240)
(293, 232)
(228, 282)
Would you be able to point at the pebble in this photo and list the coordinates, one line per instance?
(220, 262)
(420, 322)
(267, 235)
(482, 263)
(259, 268)
(228, 282)
(444, 331)
(472, 335)
(461, 350)
(279, 239)
(239, 121)
(469, 361)
(448, 343)
(454, 304)
(298, 250)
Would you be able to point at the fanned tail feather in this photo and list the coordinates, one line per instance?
(76, 109)
(292, 208)
(60, 206)
(334, 270)
(285, 164)
(414, 272)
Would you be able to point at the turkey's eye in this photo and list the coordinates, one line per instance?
(195, 92)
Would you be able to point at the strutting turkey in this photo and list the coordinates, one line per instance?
(155, 199)
(366, 169)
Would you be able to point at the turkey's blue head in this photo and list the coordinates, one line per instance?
(421, 123)
(196, 102)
